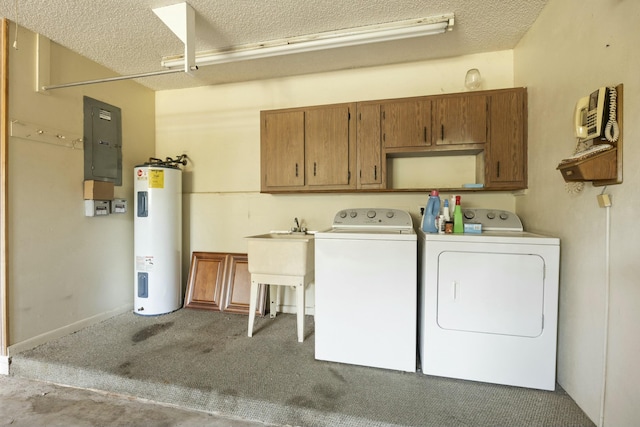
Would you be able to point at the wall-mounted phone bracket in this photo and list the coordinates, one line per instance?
(601, 168)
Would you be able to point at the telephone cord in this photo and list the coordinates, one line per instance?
(612, 130)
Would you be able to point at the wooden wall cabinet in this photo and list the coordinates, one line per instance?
(342, 138)
(506, 153)
(406, 123)
(308, 149)
(460, 119)
(330, 146)
(282, 149)
(369, 157)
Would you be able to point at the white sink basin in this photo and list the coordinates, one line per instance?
(284, 254)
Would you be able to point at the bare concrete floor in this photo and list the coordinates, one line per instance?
(32, 403)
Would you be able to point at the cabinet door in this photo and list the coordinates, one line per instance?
(205, 287)
(369, 153)
(506, 156)
(460, 120)
(327, 146)
(238, 286)
(406, 123)
(282, 149)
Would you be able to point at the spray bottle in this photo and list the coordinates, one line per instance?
(458, 226)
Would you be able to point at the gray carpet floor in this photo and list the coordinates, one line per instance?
(203, 360)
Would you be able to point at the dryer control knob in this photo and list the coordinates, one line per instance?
(343, 214)
(353, 214)
(390, 214)
(469, 214)
(491, 215)
(371, 214)
(504, 216)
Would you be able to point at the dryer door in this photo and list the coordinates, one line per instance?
(496, 293)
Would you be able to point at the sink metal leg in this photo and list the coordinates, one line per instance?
(300, 310)
(253, 296)
(274, 295)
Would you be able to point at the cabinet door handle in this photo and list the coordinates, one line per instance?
(296, 170)
(498, 169)
(314, 168)
(375, 171)
(442, 132)
(425, 134)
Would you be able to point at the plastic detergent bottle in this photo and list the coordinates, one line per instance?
(458, 226)
(431, 212)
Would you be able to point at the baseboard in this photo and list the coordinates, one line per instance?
(292, 309)
(65, 330)
(4, 365)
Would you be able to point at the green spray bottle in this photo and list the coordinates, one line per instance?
(458, 226)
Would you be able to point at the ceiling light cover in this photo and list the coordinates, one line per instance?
(321, 41)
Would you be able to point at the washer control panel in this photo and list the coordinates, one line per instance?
(373, 217)
(493, 219)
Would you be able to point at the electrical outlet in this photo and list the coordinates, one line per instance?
(604, 200)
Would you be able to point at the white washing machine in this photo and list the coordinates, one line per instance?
(366, 289)
(489, 303)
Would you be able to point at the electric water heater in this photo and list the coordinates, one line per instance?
(158, 238)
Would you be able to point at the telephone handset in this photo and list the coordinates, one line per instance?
(595, 115)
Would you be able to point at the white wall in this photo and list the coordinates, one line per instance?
(66, 269)
(218, 128)
(575, 47)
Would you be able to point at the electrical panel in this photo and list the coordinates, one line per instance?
(102, 141)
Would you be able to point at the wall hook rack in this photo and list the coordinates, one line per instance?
(29, 131)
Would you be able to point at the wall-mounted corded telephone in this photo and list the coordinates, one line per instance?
(598, 151)
(595, 115)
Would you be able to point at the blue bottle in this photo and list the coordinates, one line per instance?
(431, 212)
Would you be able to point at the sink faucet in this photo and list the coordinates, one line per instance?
(297, 228)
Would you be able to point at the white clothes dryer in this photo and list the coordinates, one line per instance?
(366, 294)
(489, 303)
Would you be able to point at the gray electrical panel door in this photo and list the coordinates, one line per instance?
(102, 141)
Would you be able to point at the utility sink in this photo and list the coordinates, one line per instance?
(284, 254)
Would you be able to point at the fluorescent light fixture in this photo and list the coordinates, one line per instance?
(321, 41)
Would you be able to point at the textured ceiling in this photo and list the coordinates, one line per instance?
(128, 38)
